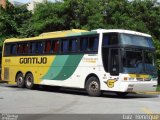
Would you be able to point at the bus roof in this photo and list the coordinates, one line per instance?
(56, 34)
(122, 31)
(75, 32)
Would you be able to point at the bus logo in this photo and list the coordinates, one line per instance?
(33, 60)
(110, 83)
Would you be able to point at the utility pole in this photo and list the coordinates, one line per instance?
(3, 3)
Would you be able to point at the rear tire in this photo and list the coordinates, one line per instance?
(29, 81)
(20, 80)
(93, 87)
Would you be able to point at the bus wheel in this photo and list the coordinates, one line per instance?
(20, 80)
(93, 87)
(121, 94)
(29, 81)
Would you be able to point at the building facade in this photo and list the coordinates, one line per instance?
(3, 3)
(33, 3)
(16, 3)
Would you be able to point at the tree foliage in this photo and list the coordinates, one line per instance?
(12, 20)
(139, 15)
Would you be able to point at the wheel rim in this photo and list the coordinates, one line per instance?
(93, 86)
(29, 81)
(20, 80)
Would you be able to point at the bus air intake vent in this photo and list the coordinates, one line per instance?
(147, 79)
(139, 79)
(6, 73)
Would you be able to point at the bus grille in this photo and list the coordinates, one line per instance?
(147, 79)
(143, 79)
(140, 79)
(6, 73)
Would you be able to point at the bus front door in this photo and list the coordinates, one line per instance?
(114, 62)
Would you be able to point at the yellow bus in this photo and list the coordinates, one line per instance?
(115, 60)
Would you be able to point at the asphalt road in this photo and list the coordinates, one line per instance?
(45, 101)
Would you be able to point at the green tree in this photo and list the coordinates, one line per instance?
(47, 17)
(81, 14)
(12, 20)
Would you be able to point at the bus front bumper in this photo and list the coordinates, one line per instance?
(145, 86)
(130, 86)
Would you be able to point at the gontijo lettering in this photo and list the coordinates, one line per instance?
(33, 60)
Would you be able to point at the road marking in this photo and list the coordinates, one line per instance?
(149, 112)
(146, 110)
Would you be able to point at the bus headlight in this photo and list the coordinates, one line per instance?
(154, 79)
(131, 79)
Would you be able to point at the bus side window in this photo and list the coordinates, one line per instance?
(105, 40)
(55, 46)
(40, 47)
(73, 45)
(13, 49)
(20, 48)
(83, 44)
(92, 44)
(33, 47)
(25, 48)
(47, 46)
(64, 46)
(110, 39)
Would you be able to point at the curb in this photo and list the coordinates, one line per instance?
(158, 92)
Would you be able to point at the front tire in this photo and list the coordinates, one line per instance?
(20, 80)
(93, 87)
(29, 81)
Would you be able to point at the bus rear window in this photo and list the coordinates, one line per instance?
(7, 49)
(10, 49)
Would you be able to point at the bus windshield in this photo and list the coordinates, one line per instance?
(138, 61)
(128, 39)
